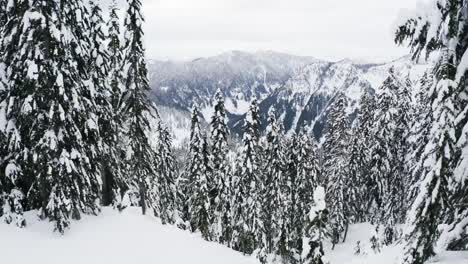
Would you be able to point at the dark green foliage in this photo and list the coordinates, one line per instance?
(271, 195)
(165, 206)
(137, 109)
(359, 159)
(220, 183)
(52, 134)
(316, 229)
(196, 188)
(335, 168)
(434, 196)
(247, 186)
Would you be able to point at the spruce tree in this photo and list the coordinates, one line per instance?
(166, 168)
(316, 230)
(52, 135)
(361, 143)
(388, 164)
(3, 14)
(247, 186)
(419, 135)
(220, 182)
(198, 202)
(112, 130)
(453, 237)
(335, 168)
(301, 178)
(271, 197)
(137, 109)
(434, 196)
(99, 86)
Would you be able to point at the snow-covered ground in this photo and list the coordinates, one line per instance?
(111, 237)
(129, 238)
(344, 253)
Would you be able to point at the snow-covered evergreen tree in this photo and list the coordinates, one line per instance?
(52, 134)
(140, 157)
(98, 68)
(3, 13)
(388, 163)
(220, 181)
(271, 197)
(361, 143)
(112, 130)
(196, 188)
(316, 230)
(247, 186)
(166, 209)
(301, 178)
(359, 150)
(442, 28)
(335, 168)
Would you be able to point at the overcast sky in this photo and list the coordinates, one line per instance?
(326, 29)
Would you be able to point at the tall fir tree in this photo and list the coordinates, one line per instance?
(166, 209)
(52, 135)
(335, 168)
(112, 130)
(220, 181)
(196, 180)
(388, 163)
(247, 186)
(3, 14)
(360, 156)
(301, 178)
(98, 67)
(316, 229)
(271, 196)
(455, 237)
(137, 110)
(419, 134)
(443, 29)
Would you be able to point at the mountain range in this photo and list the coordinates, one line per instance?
(300, 89)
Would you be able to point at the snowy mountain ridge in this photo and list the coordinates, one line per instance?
(299, 88)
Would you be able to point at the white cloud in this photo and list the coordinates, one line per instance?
(331, 29)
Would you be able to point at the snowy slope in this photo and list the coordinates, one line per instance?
(129, 237)
(344, 253)
(111, 237)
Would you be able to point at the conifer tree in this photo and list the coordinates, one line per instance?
(137, 110)
(3, 13)
(453, 237)
(219, 187)
(444, 31)
(99, 86)
(316, 230)
(166, 209)
(360, 146)
(293, 224)
(301, 178)
(273, 168)
(112, 130)
(198, 202)
(419, 134)
(388, 164)
(247, 186)
(52, 134)
(334, 168)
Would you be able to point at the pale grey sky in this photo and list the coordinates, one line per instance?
(326, 29)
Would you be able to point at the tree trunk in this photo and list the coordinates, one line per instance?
(346, 232)
(143, 197)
